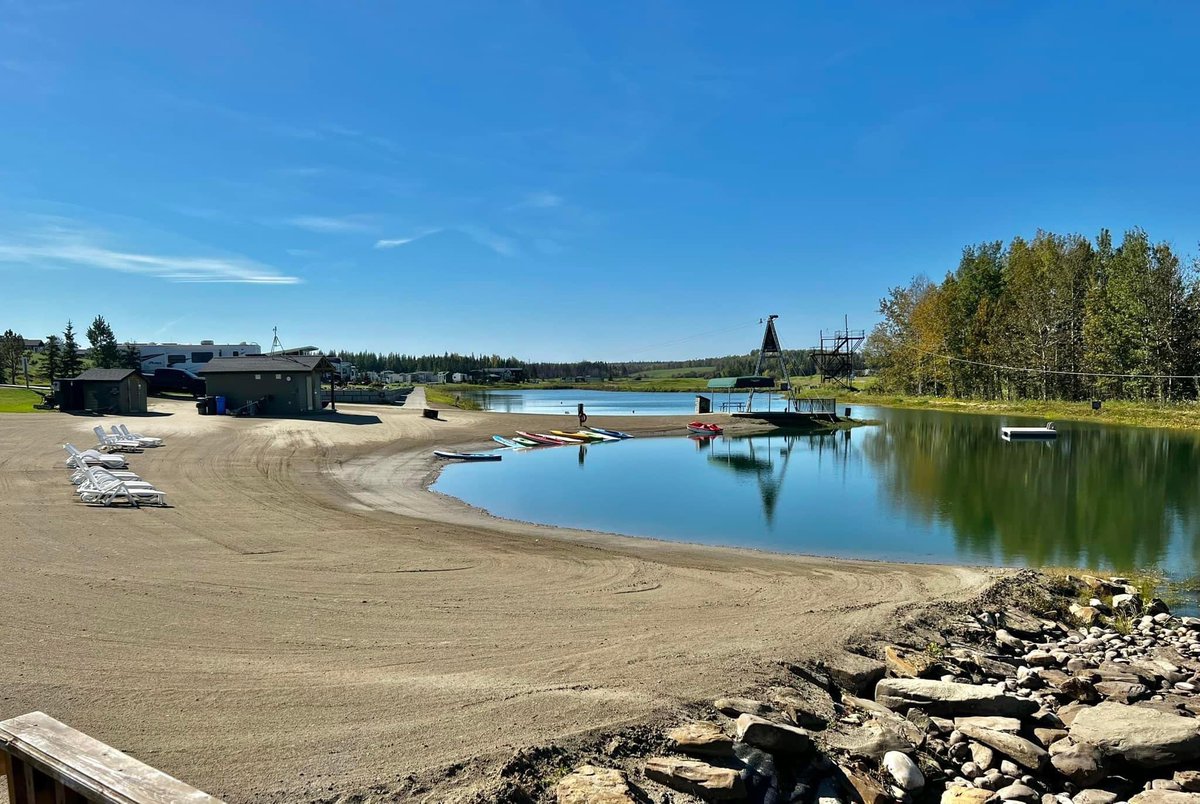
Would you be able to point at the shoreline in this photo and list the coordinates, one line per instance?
(307, 621)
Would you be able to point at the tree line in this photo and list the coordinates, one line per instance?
(1055, 317)
(62, 356)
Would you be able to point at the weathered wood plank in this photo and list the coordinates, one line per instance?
(88, 767)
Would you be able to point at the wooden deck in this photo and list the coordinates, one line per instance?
(48, 762)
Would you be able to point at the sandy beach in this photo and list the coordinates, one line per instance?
(307, 621)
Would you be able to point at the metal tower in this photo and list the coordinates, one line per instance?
(834, 358)
(769, 350)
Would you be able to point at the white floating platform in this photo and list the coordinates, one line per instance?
(1028, 433)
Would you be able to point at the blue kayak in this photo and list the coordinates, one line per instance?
(466, 456)
(612, 433)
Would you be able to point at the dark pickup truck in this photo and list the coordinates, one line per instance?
(175, 379)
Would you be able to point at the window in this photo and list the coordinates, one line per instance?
(201, 357)
(173, 359)
(258, 376)
(279, 376)
(235, 352)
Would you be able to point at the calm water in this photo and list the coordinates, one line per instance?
(920, 486)
(606, 403)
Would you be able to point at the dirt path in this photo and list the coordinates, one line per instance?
(307, 621)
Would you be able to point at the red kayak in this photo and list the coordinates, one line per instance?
(700, 428)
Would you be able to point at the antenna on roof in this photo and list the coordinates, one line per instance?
(276, 344)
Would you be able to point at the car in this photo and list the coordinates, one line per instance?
(176, 379)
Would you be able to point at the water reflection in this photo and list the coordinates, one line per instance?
(1097, 496)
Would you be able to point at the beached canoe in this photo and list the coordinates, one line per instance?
(466, 456)
(701, 428)
(613, 433)
(541, 439)
(508, 442)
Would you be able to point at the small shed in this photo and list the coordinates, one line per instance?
(103, 390)
(280, 385)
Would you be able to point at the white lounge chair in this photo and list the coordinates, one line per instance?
(104, 489)
(93, 457)
(122, 431)
(80, 474)
(96, 479)
(115, 442)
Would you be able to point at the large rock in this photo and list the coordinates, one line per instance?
(1008, 724)
(909, 664)
(808, 712)
(701, 738)
(965, 795)
(1018, 749)
(1144, 737)
(1122, 691)
(877, 737)
(589, 784)
(778, 738)
(868, 790)
(1188, 780)
(1165, 797)
(696, 778)
(732, 707)
(853, 672)
(904, 771)
(1095, 796)
(1083, 764)
(948, 699)
(1022, 624)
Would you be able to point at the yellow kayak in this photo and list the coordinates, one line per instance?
(583, 435)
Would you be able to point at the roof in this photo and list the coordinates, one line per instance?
(106, 375)
(251, 364)
(742, 382)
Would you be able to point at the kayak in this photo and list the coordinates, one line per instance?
(613, 433)
(562, 439)
(537, 439)
(508, 442)
(528, 442)
(584, 435)
(701, 428)
(466, 456)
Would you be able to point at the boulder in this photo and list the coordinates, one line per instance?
(1086, 615)
(876, 737)
(1083, 764)
(701, 738)
(1021, 623)
(1067, 713)
(696, 778)
(982, 756)
(1022, 751)
(801, 710)
(732, 707)
(973, 660)
(1048, 737)
(948, 699)
(965, 795)
(904, 771)
(1145, 737)
(1165, 797)
(1079, 689)
(1127, 604)
(868, 790)
(865, 706)
(778, 738)
(1018, 792)
(1188, 780)
(1008, 724)
(589, 784)
(1094, 796)
(909, 664)
(854, 673)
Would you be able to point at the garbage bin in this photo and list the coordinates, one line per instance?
(202, 407)
(220, 406)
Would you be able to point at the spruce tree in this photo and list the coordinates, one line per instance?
(71, 362)
(104, 353)
(131, 357)
(52, 357)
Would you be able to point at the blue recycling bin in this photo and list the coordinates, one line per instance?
(220, 406)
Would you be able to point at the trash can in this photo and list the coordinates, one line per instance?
(202, 407)
(220, 406)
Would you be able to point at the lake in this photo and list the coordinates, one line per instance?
(607, 403)
(919, 486)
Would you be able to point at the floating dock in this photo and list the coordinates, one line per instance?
(1028, 433)
(788, 418)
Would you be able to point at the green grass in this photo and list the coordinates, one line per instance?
(449, 395)
(672, 373)
(19, 400)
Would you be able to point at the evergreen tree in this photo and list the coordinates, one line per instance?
(104, 352)
(52, 357)
(71, 362)
(131, 357)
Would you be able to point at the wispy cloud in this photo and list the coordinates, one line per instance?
(401, 241)
(504, 246)
(57, 247)
(543, 199)
(332, 224)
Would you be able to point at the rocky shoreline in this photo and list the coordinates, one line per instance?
(1048, 690)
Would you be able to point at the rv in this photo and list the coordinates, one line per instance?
(189, 356)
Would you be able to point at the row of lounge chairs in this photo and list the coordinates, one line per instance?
(101, 476)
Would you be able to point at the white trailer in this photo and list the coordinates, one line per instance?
(189, 356)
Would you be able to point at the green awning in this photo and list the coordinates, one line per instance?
(728, 383)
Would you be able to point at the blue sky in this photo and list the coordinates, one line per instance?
(563, 180)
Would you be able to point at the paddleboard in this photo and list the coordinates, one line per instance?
(466, 456)
(508, 442)
(540, 439)
(613, 433)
